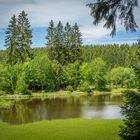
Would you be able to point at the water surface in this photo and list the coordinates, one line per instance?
(25, 111)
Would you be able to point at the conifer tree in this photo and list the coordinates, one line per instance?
(51, 39)
(51, 34)
(110, 11)
(76, 43)
(11, 42)
(59, 43)
(59, 34)
(76, 36)
(24, 37)
(67, 35)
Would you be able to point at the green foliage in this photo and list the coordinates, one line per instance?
(69, 88)
(76, 36)
(59, 76)
(39, 74)
(21, 86)
(64, 63)
(11, 41)
(32, 74)
(73, 74)
(85, 87)
(136, 65)
(110, 11)
(67, 35)
(131, 111)
(51, 34)
(97, 73)
(114, 55)
(122, 77)
(64, 43)
(18, 39)
(24, 37)
(85, 72)
(8, 78)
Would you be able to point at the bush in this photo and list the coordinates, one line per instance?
(122, 77)
(69, 88)
(8, 79)
(85, 87)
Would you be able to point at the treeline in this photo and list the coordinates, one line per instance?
(41, 74)
(64, 64)
(114, 55)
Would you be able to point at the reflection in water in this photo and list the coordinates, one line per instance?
(26, 111)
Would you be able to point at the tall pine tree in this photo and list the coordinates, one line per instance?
(76, 43)
(64, 43)
(11, 42)
(59, 43)
(76, 37)
(67, 35)
(50, 34)
(24, 37)
(51, 39)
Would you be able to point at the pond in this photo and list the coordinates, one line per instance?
(26, 111)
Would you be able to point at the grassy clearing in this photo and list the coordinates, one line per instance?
(73, 129)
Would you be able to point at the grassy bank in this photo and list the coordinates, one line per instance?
(73, 129)
(61, 94)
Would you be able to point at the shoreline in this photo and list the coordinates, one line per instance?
(60, 94)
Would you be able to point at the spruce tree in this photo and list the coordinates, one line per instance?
(130, 130)
(59, 43)
(76, 36)
(67, 35)
(50, 34)
(59, 34)
(110, 11)
(24, 37)
(76, 43)
(11, 42)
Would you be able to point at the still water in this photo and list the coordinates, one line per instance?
(25, 111)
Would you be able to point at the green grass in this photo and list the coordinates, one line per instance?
(64, 94)
(72, 129)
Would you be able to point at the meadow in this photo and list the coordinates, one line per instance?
(71, 129)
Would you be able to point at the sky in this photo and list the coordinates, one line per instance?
(40, 12)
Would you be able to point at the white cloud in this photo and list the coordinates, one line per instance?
(40, 12)
(91, 33)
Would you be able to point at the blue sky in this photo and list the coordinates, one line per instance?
(40, 12)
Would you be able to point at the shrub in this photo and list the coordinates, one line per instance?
(122, 77)
(69, 88)
(8, 79)
(85, 87)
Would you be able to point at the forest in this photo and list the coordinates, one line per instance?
(64, 64)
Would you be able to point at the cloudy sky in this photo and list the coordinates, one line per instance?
(40, 12)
